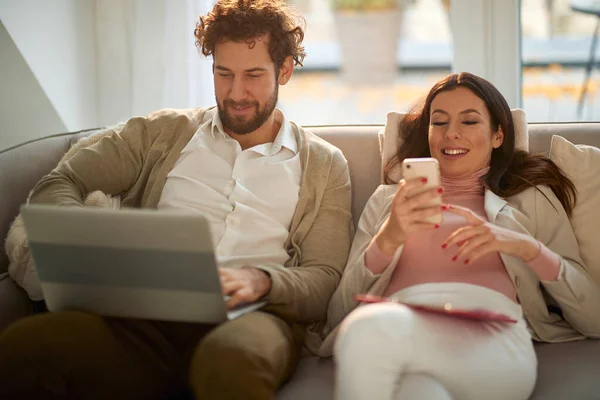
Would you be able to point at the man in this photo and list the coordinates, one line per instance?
(278, 201)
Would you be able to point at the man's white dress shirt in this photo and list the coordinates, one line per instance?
(249, 196)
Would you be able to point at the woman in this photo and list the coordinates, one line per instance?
(505, 244)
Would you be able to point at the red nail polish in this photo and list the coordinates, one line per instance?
(424, 180)
(454, 258)
(440, 190)
(436, 226)
(444, 246)
(466, 261)
(444, 208)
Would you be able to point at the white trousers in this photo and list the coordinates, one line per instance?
(389, 351)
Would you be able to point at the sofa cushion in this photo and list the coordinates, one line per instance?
(565, 371)
(390, 137)
(540, 134)
(361, 148)
(581, 164)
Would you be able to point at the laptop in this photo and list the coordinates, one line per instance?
(134, 263)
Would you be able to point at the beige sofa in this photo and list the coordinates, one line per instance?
(566, 371)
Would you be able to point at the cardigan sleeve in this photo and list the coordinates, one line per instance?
(111, 165)
(575, 292)
(305, 288)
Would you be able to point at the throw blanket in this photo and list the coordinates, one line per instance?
(21, 267)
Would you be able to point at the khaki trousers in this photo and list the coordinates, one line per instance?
(77, 355)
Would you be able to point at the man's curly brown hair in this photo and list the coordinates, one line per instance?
(247, 20)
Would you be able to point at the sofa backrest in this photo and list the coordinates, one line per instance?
(22, 166)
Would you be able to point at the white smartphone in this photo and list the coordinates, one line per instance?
(426, 167)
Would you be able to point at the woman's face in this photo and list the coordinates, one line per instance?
(460, 133)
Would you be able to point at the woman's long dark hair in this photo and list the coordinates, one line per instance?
(511, 171)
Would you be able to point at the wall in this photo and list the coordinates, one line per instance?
(25, 111)
(57, 40)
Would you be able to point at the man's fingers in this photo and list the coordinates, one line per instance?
(230, 287)
(243, 295)
(224, 274)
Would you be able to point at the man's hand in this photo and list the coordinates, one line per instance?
(244, 285)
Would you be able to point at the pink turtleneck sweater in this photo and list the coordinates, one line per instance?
(424, 261)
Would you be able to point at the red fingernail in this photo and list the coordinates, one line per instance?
(467, 261)
(454, 258)
(436, 226)
(440, 190)
(444, 246)
(444, 208)
(424, 180)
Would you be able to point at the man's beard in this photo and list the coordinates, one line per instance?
(238, 124)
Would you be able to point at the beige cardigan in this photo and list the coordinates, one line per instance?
(577, 295)
(134, 160)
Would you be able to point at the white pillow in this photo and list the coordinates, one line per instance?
(581, 164)
(388, 139)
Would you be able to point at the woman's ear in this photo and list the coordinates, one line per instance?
(498, 138)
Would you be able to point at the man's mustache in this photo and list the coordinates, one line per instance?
(240, 104)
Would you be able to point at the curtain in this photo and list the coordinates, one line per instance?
(147, 58)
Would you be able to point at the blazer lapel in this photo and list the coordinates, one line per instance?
(493, 204)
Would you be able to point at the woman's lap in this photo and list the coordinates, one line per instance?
(379, 343)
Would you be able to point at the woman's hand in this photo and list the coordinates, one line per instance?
(481, 237)
(407, 215)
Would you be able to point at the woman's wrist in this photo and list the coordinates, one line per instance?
(529, 248)
(387, 243)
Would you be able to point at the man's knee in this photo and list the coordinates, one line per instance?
(256, 339)
(254, 354)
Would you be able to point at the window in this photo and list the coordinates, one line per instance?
(557, 39)
(329, 90)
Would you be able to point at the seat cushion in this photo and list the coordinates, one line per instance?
(565, 371)
(313, 380)
(568, 371)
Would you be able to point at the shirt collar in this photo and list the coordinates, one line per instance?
(285, 137)
(217, 126)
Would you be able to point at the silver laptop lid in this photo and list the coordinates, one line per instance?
(133, 253)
